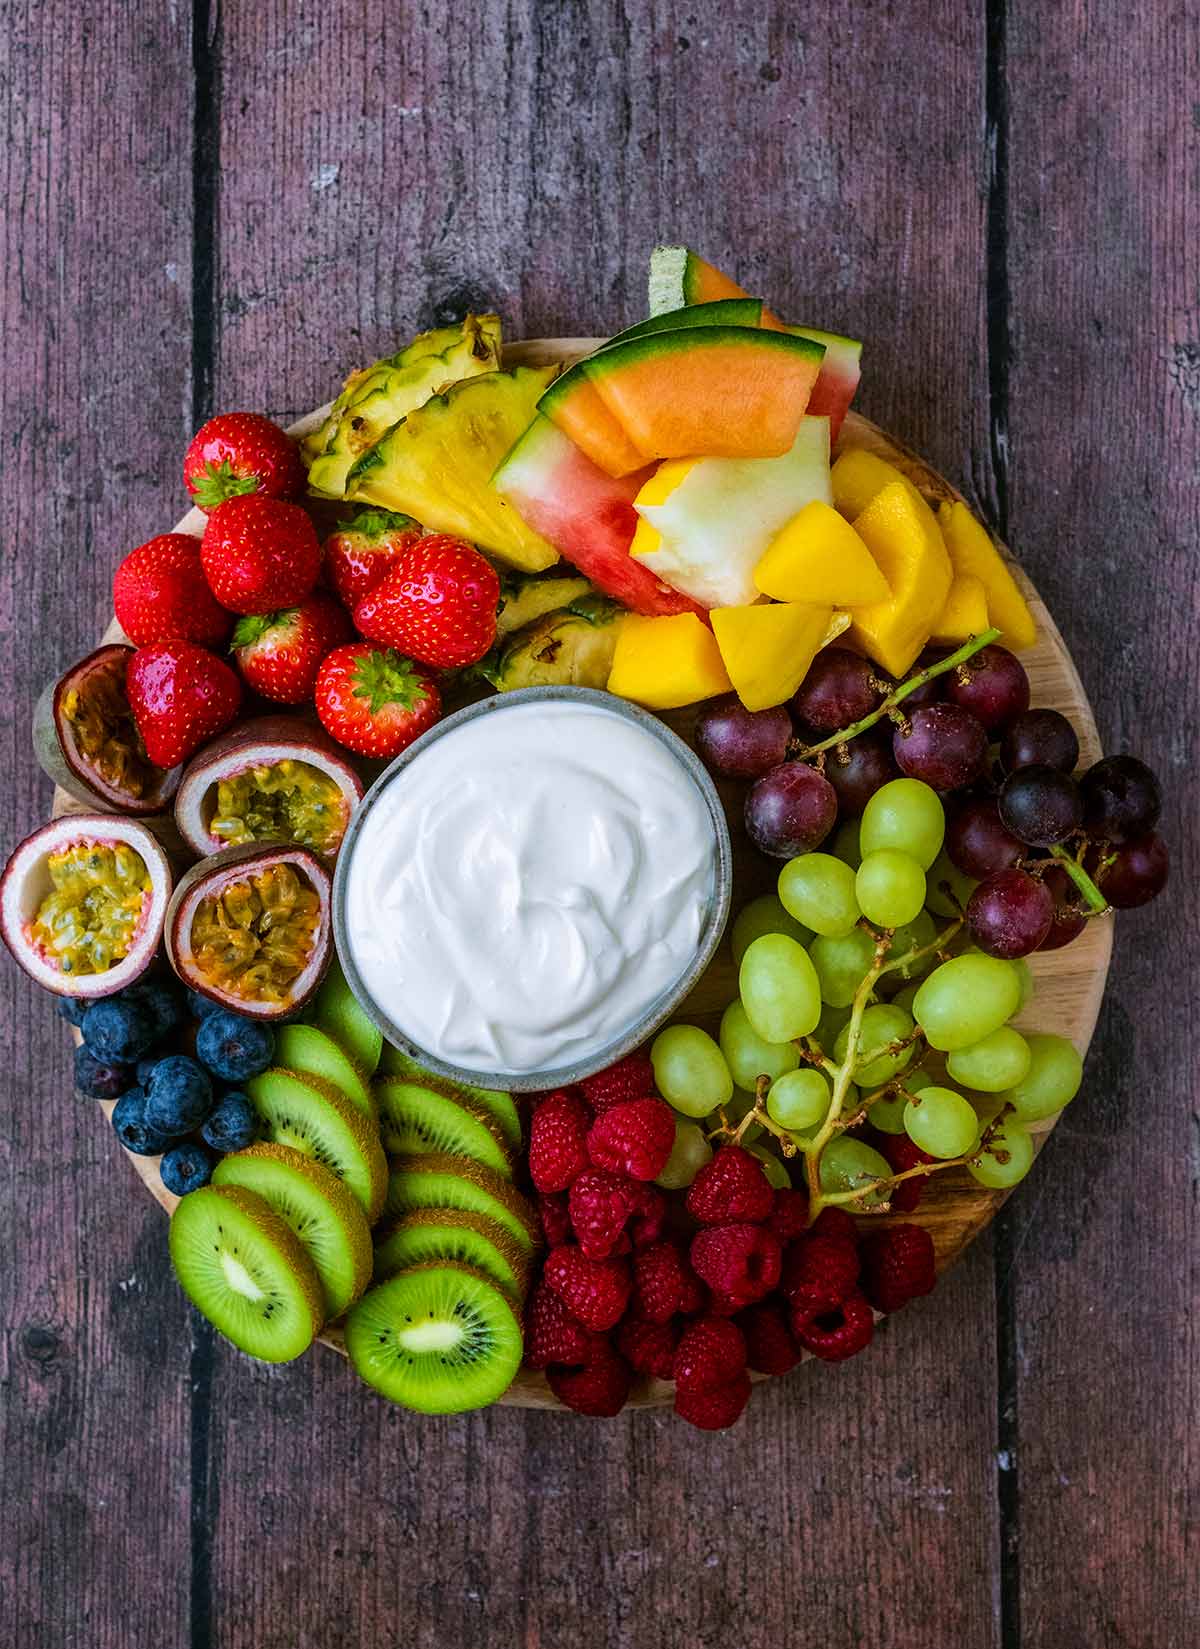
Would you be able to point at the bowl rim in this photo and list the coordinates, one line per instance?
(657, 1012)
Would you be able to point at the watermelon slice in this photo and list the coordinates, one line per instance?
(587, 515)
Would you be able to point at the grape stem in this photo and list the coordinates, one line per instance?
(1096, 900)
(923, 1169)
(899, 694)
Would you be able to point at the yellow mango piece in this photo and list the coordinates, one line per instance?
(857, 476)
(972, 551)
(901, 533)
(665, 663)
(965, 613)
(818, 557)
(646, 539)
(768, 648)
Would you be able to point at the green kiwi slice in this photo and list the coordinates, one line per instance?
(437, 1338)
(313, 1117)
(326, 1217)
(425, 1182)
(414, 1119)
(449, 1234)
(241, 1266)
(336, 1010)
(493, 1102)
(305, 1048)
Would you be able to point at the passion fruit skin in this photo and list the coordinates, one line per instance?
(61, 760)
(207, 879)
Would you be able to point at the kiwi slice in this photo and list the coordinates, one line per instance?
(438, 1338)
(450, 1234)
(414, 1119)
(493, 1102)
(305, 1048)
(337, 1011)
(315, 1204)
(425, 1182)
(313, 1117)
(241, 1266)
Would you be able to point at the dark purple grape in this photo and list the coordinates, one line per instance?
(867, 766)
(992, 685)
(944, 745)
(1040, 805)
(933, 691)
(840, 688)
(1068, 920)
(977, 841)
(1010, 914)
(1121, 799)
(1137, 872)
(1039, 738)
(737, 743)
(790, 810)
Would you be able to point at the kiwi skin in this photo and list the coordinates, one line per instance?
(451, 1220)
(465, 1168)
(365, 1132)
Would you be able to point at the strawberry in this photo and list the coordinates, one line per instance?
(160, 594)
(438, 604)
(181, 696)
(241, 452)
(279, 654)
(259, 554)
(373, 701)
(360, 554)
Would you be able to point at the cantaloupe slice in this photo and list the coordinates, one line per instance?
(972, 551)
(665, 663)
(767, 649)
(818, 557)
(965, 613)
(902, 535)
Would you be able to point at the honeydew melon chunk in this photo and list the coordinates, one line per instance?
(767, 649)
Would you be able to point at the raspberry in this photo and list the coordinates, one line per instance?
(630, 1078)
(599, 1203)
(770, 1348)
(633, 1138)
(659, 1281)
(599, 1388)
(902, 1154)
(693, 1296)
(649, 1347)
(733, 1186)
(716, 1408)
(898, 1265)
(555, 1220)
(557, 1152)
(835, 1222)
(837, 1334)
(649, 1214)
(740, 1263)
(711, 1352)
(789, 1215)
(551, 1334)
(818, 1272)
(595, 1292)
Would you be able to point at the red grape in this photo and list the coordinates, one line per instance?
(943, 744)
(1068, 920)
(1010, 914)
(1039, 738)
(840, 688)
(977, 841)
(1136, 874)
(1121, 799)
(1040, 805)
(738, 743)
(866, 767)
(790, 810)
(992, 684)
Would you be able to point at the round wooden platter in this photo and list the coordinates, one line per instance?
(1069, 982)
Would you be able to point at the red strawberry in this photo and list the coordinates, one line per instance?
(600, 1203)
(181, 696)
(279, 654)
(634, 1138)
(649, 1347)
(361, 554)
(630, 1078)
(556, 1140)
(740, 1263)
(551, 1334)
(374, 702)
(898, 1265)
(260, 554)
(716, 1407)
(733, 1186)
(770, 1348)
(241, 452)
(839, 1333)
(710, 1353)
(818, 1272)
(600, 1388)
(438, 604)
(595, 1292)
(160, 594)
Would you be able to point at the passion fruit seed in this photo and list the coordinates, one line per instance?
(287, 799)
(90, 917)
(106, 734)
(255, 937)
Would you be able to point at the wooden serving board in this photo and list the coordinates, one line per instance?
(1069, 982)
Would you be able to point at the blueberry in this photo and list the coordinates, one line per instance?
(132, 1129)
(234, 1048)
(201, 1006)
(233, 1124)
(116, 1031)
(185, 1167)
(99, 1079)
(179, 1097)
(144, 1067)
(73, 1008)
(160, 1001)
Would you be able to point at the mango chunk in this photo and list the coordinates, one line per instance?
(768, 648)
(901, 533)
(818, 557)
(856, 478)
(665, 663)
(965, 613)
(972, 551)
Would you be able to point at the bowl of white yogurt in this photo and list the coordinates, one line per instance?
(532, 888)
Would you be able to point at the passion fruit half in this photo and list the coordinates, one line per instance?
(274, 778)
(87, 741)
(82, 903)
(249, 928)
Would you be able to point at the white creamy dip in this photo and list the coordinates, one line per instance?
(529, 885)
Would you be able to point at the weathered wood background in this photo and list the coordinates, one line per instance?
(217, 206)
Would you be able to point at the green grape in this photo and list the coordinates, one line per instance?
(987, 1107)
(882, 1023)
(1052, 1080)
(890, 887)
(841, 964)
(1025, 975)
(888, 1114)
(778, 1177)
(905, 815)
(690, 1070)
(913, 936)
(747, 1055)
(690, 1152)
(905, 998)
(941, 1122)
(779, 988)
(996, 1062)
(943, 874)
(847, 1164)
(818, 890)
(965, 999)
(763, 915)
(1012, 1140)
(846, 844)
(799, 1100)
(740, 1107)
